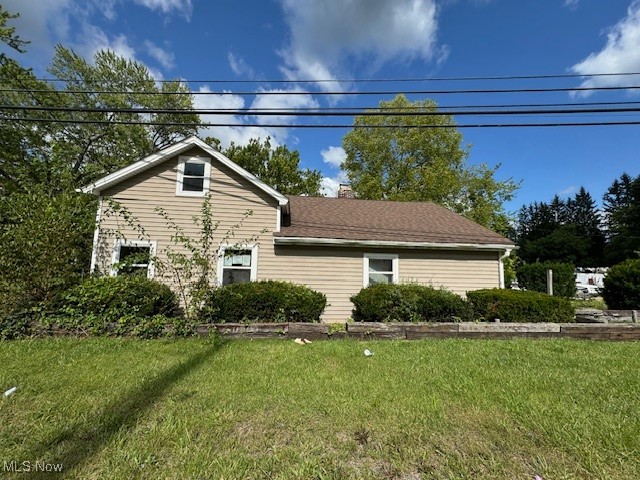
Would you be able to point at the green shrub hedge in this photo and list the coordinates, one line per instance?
(264, 301)
(112, 298)
(408, 303)
(622, 286)
(520, 306)
(15, 325)
(533, 277)
(154, 326)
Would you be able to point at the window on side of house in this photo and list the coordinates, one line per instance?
(379, 268)
(133, 258)
(237, 265)
(193, 176)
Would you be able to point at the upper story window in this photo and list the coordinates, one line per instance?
(379, 268)
(193, 176)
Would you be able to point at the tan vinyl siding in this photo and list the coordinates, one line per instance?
(231, 197)
(338, 272)
(456, 271)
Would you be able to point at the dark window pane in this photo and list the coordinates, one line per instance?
(132, 254)
(192, 184)
(380, 265)
(194, 169)
(234, 275)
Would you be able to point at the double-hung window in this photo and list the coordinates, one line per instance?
(133, 257)
(193, 176)
(237, 265)
(379, 268)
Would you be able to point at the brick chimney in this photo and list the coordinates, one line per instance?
(345, 191)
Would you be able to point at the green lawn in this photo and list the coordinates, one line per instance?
(109, 408)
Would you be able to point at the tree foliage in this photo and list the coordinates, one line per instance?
(277, 167)
(561, 231)
(45, 245)
(422, 164)
(621, 205)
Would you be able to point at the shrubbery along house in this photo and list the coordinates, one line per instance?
(333, 245)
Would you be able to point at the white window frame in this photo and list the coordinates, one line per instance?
(182, 161)
(254, 260)
(115, 256)
(379, 256)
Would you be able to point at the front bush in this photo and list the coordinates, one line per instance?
(519, 306)
(533, 277)
(622, 286)
(408, 303)
(264, 301)
(15, 325)
(108, 299)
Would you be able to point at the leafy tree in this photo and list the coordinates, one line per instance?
(279, 167)
(8, 34)
(45, 245)
(622, 215)
(94, 150)
(422, 164)
(562, 230)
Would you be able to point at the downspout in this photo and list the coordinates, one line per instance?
(507, 252)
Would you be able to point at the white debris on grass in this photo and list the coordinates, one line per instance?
(368, 353)
(10, 392)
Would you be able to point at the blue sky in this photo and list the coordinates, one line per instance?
(354, 39)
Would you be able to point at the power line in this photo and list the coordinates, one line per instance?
(350, 93)
(380, 80)
(319, 112)
(269, 125)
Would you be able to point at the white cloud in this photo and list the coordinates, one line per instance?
(621, 53)
(183, 7)
(162, 56)
(329, 185)
(325, 34)
(570, 190)
(334, 156)
(241, 135)
(300, 99)
(227, 134)
(571, 4)
(239, 66)
(95, 39)
(39, 24)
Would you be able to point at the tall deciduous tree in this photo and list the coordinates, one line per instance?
(278, 167)
(386, 159)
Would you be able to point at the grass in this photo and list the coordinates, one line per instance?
(114, 408)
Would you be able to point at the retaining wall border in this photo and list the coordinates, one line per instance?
(414, 331)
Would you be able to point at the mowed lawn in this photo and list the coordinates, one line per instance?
(477, 409)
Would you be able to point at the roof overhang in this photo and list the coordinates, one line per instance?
(340, 242)
(146, 163)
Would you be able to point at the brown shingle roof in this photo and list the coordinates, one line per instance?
(354, 219)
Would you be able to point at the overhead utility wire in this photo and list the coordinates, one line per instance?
(269, 125)
(405, 108)
(352, 93)
(320, 112)
(382, 80)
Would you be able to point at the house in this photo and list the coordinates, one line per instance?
(333, 245)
